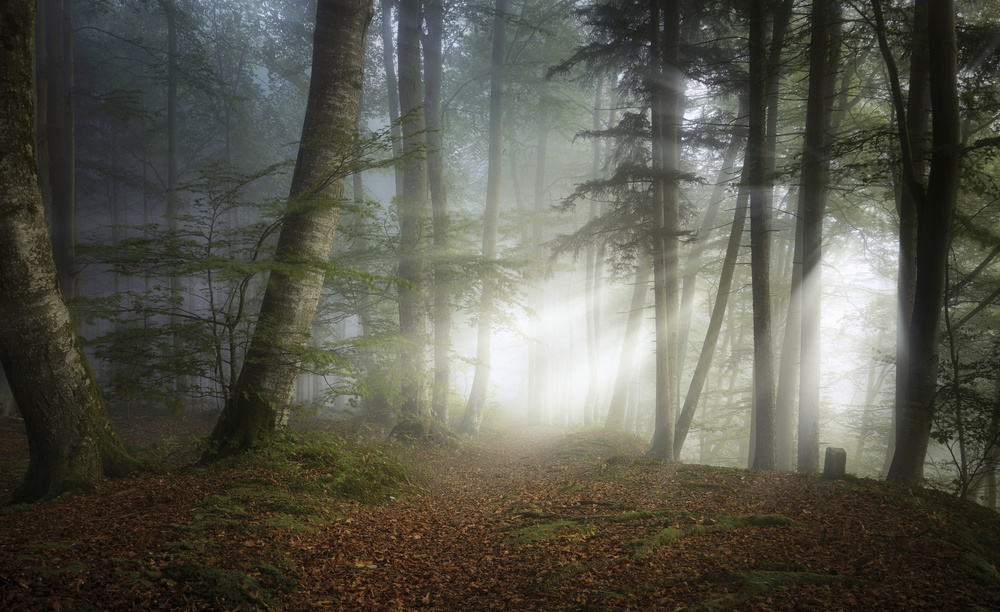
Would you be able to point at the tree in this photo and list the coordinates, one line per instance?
(765, 453)
(665, 100)
(70, 436)
(813, 203)
(57, 77)
(935, 213)
(433, 76)
(491, 224)
(412, 206)
(718, 315)
(266, 384)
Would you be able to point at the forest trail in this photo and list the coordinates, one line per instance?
(523, 519)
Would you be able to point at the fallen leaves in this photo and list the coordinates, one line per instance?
(709, 537)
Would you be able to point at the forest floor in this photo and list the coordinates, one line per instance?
(519, 519)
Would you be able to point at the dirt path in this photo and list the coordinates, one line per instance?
(536, 521)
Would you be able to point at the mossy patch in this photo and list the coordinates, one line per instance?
(566, 530)
(758, 582)
(226, 589)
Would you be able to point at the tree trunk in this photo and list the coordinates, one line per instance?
(592, 283)
(619, 396)
(70, 437)
(433, 74)
(693, 263)
(173, 178)
(764, 449)
(266, 384)
(491, 226)
(784, 411)
(392, 87)
(538, 363)
(60, 142)
(911, 124)
(412, 204)
(716, 320)
(813, 206)
(934, 220)
(788, 368)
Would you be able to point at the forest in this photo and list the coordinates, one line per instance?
(705, 235)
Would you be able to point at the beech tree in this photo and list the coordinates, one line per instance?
(412, 206)
(480, 385)
(765, 454)
(935, 211)
(266, 384)
(70, 436)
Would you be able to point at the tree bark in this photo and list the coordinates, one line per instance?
(474, 409)
(813, 205)
(784, 411)
(60, 142)
(764, 450)
(412, 206)
(788, 367)
(266, 384)
(392, 87)
(715, 322)
(592, 283)
(693, 263)
(70, 437)
(911, 120)
(934, 219)
(538, 358)
(433, 74)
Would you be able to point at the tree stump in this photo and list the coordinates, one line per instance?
(836, 462)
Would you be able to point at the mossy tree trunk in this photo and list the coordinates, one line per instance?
(266, 384)
(70, 437)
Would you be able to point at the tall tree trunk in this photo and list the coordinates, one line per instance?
(693, 263)
(619, 396)
(934, 220)
(266, 384)
(70, 437)
(592, 283)
(491, 226)
(538, 363)
(392, 88)
(60, 128)
(788, 368)
(784, 410)
(663, 435)
(433, 74)
(666, 98)
(765, 453)
(911, 121)
(412, 205)
(173, 178)
(715, 322)
(813, 205)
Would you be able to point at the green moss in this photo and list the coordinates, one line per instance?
(226, 589)
(552, 530)
(759, 582)
(576, 486)
(701, 525)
